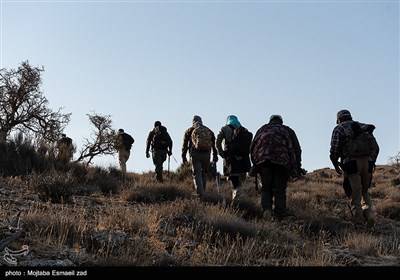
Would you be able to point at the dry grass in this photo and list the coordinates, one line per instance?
(138, 222)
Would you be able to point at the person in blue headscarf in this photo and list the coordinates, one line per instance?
(233, 145)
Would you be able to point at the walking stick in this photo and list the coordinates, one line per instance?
(169, 159)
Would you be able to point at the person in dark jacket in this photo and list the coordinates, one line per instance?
(236, 161)
(273, 155)
(160, 143)
(357, 170)
(123, 144)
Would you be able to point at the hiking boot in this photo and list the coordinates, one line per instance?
(267, 215)
(370, 222)
(236, 193)
(359, 227)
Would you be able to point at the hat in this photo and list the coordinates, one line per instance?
(276, 117)
(233, 120)
(343, 114)
(157, 123)
(197, 119)
(120, 131)
(63, 135)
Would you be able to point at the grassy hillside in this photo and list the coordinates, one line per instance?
(92, 217)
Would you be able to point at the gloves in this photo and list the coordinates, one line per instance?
(169, 153)
(147, 154)
(337, 168)
(215, 158)
(253, 171)
(336, 164)
(302, 172)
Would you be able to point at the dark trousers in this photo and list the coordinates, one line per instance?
(274, 179)
(159, 157)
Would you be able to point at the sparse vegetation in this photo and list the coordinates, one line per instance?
(89, 216)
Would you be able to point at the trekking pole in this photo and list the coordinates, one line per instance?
(174, 159)
(169, 157)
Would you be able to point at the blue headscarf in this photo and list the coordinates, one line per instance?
(233, 121)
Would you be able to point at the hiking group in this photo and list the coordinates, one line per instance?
(274, 155)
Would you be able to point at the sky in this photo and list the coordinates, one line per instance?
(142, 61)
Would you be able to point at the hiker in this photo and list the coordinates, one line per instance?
(199, 141)
(65, 149)
(356, 169)
(123, 144)
(161, 145)
(273, 155)
(235, 153)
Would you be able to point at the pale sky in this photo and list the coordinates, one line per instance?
(142, 61)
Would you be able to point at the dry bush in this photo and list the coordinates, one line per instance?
(53, 185)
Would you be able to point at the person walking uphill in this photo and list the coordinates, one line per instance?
(123, 144)
(236, 150)
(161, 145)
(273, 154)
(65, 149)
(356, 166)
(199, 141)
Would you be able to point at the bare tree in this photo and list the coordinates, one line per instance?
(23, 106)
(102, 139)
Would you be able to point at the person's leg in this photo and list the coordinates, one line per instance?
(279, 190)
(122, 160)
(197, 174)
(266, 190)
(236, 188)
(366, 201)
(158, 160)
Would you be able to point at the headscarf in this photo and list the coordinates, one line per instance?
(233, 121)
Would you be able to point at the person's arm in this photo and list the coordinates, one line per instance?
(148, 143)
(214, 149)
(170, 145)
(218, 143)
(185, 144)
(334, 151)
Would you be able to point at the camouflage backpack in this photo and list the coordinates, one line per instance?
(201, 138)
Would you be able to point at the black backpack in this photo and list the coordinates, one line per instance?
(161, 138)
(241, 140)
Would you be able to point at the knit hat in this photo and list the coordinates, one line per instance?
(233, 120)
(343, 114)
(157, 123)
(197, 120)
(276, 118)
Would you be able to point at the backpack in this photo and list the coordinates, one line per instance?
(362, 143)
(202, 138)
(241, 140)
(161, 138)
(127, 141)
(237, 157)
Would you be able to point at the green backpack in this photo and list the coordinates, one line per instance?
(362, 144)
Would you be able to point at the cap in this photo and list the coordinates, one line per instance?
(343, 114)
(157, 123)
(120, 131)
(197, 119)
(276, 117)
